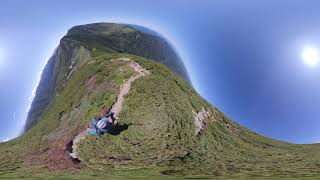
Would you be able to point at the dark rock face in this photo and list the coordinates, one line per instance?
(53, 77)
(44, 92)
(74, 50)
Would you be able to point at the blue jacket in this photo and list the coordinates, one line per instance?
(95, 131)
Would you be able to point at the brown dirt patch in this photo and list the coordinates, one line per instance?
(91, 83)
(55, 157)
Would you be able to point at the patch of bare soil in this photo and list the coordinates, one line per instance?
(55, 157)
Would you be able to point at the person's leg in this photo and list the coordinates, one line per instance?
(93, 123)
(109, 114)
(92, 132)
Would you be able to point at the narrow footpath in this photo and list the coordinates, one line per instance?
(117, 106)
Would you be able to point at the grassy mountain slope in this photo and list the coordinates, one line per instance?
(160, 136)
(106, 37)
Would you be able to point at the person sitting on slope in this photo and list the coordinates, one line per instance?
(102, 125)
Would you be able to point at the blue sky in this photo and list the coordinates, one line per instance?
(243, 56)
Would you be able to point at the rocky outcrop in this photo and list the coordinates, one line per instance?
(199, 120)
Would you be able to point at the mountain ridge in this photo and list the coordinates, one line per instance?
(169, 128)
(74, 43)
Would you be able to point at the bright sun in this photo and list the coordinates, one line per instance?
(310, 56)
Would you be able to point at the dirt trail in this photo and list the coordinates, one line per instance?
(124, 89)
(117, 106)
(73, 154)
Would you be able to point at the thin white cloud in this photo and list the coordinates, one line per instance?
(5, 140)
(14, 116)
(34, 90)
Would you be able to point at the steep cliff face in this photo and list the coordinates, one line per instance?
(44, 93)
(66, 59)
(73, 52)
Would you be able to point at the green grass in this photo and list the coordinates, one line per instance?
(122, 38)
(109, 79)
(160, 141)
(160, 138)
(154, 109)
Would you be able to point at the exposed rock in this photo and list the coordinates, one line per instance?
(199, 120)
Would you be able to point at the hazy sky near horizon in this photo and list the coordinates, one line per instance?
(243, 56)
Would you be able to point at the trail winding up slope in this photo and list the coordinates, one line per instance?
(124, 90)
(117, 106)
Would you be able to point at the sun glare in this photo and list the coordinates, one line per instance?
(310, 56)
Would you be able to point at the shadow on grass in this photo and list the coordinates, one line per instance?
(118, 129)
